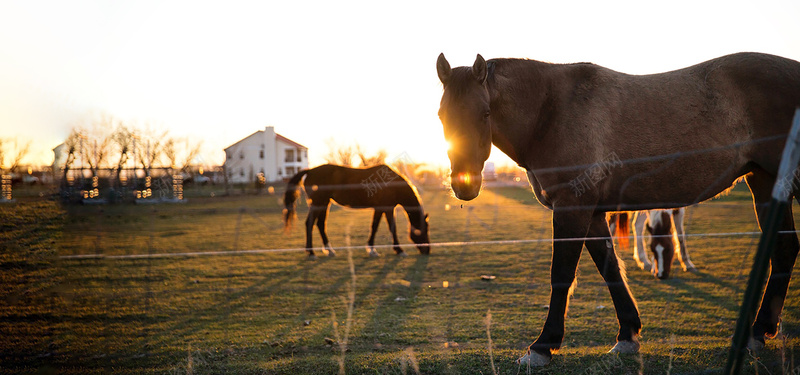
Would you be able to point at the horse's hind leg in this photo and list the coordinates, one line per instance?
(678, 216)
(321, 225)
(376, 221)
(310, 219)
(613, 272)
(781, 261)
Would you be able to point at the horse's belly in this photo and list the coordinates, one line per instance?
(678, 184)
(669, 198)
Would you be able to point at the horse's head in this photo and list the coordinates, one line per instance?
(661, 244)
(419, 235)
(464, 111)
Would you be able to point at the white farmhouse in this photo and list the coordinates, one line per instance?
(264, 152)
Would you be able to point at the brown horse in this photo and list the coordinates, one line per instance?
(378, 187)
(582, 133)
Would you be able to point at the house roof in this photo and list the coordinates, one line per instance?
(240, 141)
(277, 137)
(289, 141)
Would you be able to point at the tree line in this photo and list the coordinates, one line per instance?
(110, 144)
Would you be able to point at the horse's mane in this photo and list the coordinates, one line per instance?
(411, 186)
(461, 77)
(521, 67)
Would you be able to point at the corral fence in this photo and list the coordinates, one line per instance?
(473, 234)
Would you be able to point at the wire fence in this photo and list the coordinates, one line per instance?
(159, 240)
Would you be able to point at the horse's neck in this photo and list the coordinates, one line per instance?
(413, 211)
(523, 94)
(515, 118)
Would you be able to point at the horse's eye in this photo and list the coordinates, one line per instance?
(486, 115)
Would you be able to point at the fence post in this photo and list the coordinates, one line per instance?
(5, 194)
(781, 195)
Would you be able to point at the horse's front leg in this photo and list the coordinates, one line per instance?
(569, 229)
(393, 228)
(376, 220)
(639, 250)
(602, 251)
(678, 216)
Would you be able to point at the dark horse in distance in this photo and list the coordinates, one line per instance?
(584, 134)
(378, 187)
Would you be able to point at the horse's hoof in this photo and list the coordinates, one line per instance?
(402, 254)
(754, 345)
(328, 250)
(372, 252)
(625, 347)
(647, 267)
(312, 257)
(692, 269)
(533, 359)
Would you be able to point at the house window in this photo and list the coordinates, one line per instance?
(229, 156)
(261, 154)
(298, 155)
(289, 155)
(290, 171)
(241, 154)
(241, 172)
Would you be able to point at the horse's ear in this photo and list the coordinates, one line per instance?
(479, 69)
(443, 68)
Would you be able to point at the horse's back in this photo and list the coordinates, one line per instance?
(723, 117)
(757, 95)
(350, 187)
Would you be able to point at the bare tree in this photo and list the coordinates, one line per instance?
(95, 151)
(368, 161)
(71, 150)
(123, 139)
(181, 160)
(338, 154)
(170, 152)
(150, 148)
(94, 141)
(17, 152)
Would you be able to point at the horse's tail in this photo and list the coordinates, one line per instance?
(623, 230)
(290, 199)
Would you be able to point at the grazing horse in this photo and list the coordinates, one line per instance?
(378, 187)
(581, 131)
(668, 238)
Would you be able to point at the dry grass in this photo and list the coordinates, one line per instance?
(271, 312)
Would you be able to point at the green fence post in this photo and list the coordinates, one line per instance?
(781, 195)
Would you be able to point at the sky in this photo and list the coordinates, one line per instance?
(328, 71)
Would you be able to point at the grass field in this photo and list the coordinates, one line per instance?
(274, 312)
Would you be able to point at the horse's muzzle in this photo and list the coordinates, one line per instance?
(466, 186)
